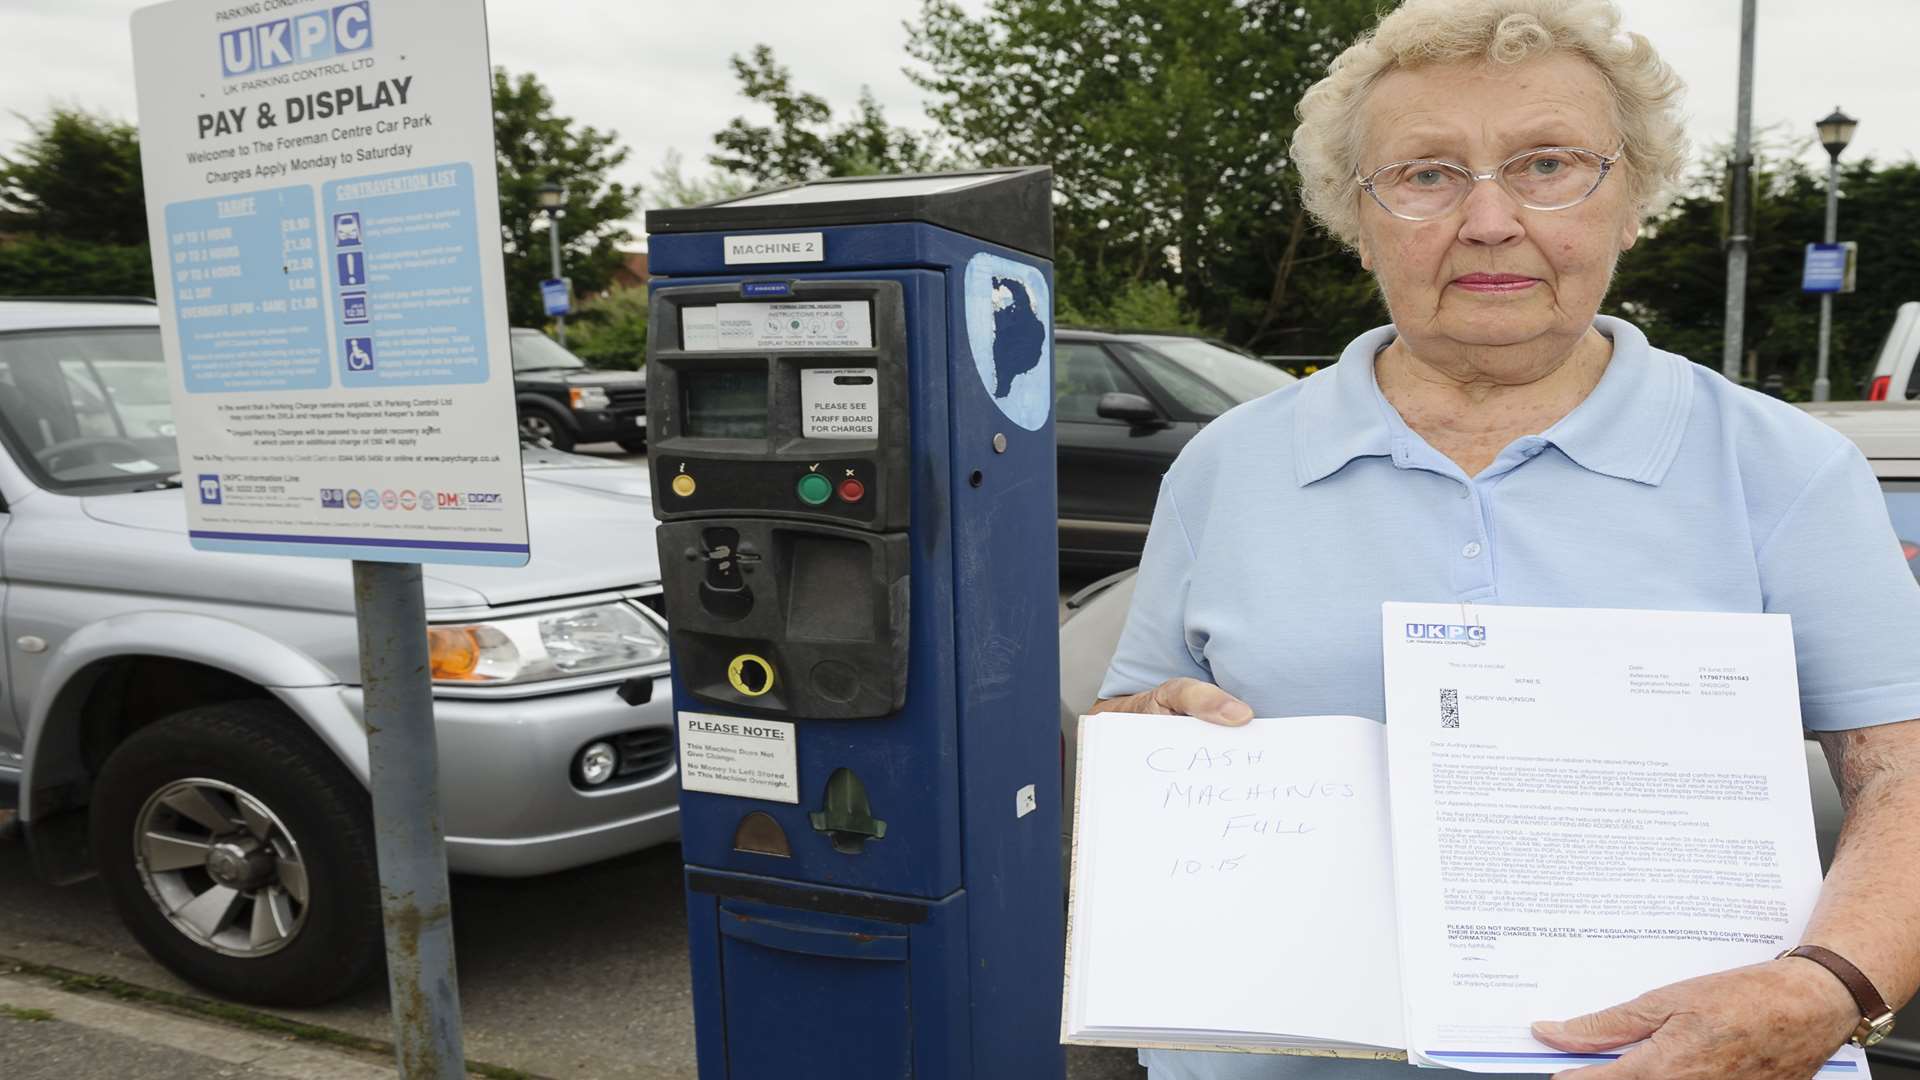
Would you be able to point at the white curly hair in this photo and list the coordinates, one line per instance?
(1645, 91)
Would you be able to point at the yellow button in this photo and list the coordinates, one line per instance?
(683, 485)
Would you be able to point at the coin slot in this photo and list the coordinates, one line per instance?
(750, 674)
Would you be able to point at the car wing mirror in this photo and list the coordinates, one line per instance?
(1131, 408)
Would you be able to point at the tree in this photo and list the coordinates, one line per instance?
(534, 146)
(673, 187)
(1167, 123)
(72, 199)
(77, 176)
(802, 143)
(1673, 283)
(610, 330)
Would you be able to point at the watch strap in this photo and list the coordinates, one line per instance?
(1873, 1008)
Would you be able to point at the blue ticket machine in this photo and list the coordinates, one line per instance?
(850, 387)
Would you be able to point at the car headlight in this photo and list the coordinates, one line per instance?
(555, 645)
(588, 397)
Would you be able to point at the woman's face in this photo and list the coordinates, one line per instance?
(1492, 273)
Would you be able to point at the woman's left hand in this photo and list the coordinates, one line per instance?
(1775, 1021)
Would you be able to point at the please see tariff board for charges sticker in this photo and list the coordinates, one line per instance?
(325, 227)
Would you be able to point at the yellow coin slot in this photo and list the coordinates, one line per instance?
(683, 485)
(750, 674)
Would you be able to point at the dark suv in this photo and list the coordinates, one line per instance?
(1124, 405)
(563, 401)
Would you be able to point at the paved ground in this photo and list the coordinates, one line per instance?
(49, 1034)
(579, 974)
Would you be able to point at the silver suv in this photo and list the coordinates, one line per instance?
(187, 724)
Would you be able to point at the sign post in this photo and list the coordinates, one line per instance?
(324, 217)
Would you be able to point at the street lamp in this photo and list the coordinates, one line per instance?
(552, 198)
(1836, 131)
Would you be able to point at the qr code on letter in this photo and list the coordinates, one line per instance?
(1449, 708)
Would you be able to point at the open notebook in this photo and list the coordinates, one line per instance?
(1585, 805)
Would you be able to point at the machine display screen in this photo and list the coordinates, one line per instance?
(725, 404)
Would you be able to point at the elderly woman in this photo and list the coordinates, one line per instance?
(1501, 443)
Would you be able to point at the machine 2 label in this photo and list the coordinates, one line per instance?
(729, 755)
(783, 248)
(840, 403)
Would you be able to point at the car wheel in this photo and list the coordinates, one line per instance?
(634, 444)
(544, 425)
(240, 853)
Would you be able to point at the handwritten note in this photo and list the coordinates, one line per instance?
(1233, 881)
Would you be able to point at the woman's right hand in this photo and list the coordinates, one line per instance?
(1183, 697)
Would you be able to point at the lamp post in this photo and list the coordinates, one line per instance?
(1836, 131)
(552, 198)
(1740, 184)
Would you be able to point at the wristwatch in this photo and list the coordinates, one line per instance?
(1876, 1020)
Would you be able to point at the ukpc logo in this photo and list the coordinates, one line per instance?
(1447, 634)
(299, 39)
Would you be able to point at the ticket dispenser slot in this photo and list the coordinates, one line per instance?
(779, 437)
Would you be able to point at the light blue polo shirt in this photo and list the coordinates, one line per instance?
(1285, 524)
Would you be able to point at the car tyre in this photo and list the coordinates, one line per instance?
(546, 424)
(300, 921)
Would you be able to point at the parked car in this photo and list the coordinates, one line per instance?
(186, 724)
(1896, 375)
(563, 402)
(1889, 437)
(1124, 406)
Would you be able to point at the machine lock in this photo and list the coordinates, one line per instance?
(848, 819)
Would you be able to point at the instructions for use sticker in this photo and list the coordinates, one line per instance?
(819, 324)
(728, 755)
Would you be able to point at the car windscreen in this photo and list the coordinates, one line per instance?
(1903, 505)
(1203, 376)
(538, 352)
(88, 410)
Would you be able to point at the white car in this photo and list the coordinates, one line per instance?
(1894, 374)
(1888, 436)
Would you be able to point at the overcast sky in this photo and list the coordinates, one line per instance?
(656, 71)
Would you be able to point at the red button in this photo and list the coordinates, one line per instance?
(852, 491)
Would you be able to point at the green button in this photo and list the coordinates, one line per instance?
(815, 489)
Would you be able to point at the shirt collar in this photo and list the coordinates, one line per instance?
(1629, 426)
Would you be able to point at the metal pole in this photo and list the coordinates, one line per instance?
(553, 240)
(397, 685)
(1738, 213)
(1822, 387)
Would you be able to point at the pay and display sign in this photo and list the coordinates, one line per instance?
(325, 227)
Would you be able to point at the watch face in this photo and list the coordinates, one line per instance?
(1874, 1035)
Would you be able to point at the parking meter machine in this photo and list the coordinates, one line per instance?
(850, 388)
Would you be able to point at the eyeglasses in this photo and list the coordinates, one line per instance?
(1546, 178)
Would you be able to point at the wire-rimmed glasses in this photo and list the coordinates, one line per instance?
(1544, 178)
